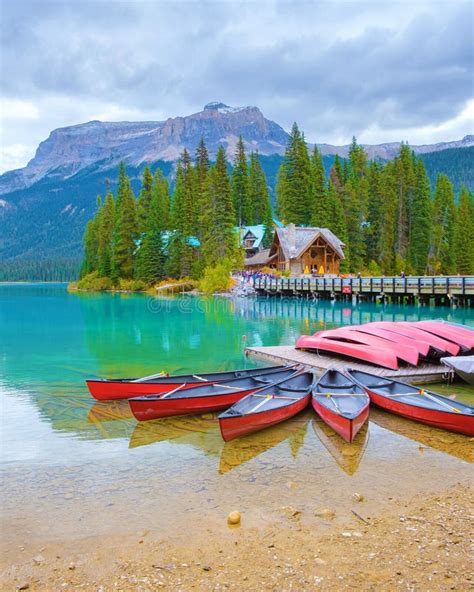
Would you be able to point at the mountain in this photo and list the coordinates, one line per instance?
(71, 149)
(44, 206)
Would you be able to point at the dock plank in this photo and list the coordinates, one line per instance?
(287, 354)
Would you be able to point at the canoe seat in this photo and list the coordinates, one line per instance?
(264, 380)
(377, 385)
(332, 386)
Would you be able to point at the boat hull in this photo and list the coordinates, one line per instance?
(437, 343)
(125, 388)
(238, 426)
(109, 390)
(405, 354)
(465, 339)
(373, 355)
(347, 428)
(423, 347)
(146, 409)
(460, 423)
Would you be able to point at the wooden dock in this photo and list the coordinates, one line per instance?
(442, 290)
(287, 354)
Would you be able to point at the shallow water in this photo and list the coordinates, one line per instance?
(74, 467)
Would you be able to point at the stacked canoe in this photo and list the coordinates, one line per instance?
(389, 344)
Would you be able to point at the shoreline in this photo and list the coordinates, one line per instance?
(419, 544)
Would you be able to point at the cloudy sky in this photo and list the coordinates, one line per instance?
(384, 71)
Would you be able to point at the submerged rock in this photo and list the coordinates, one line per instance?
(325, 513)
(233, 518)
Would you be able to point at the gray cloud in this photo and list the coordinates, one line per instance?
(339, 68)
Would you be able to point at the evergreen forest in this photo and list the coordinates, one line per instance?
(387, 214)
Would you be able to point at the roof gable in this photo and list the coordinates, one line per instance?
(304, 237)
(257, 231)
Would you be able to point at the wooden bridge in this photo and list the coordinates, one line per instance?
(443, 290)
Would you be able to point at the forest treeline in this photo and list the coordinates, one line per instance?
(385, 213)
(44, 270)
(159, 235)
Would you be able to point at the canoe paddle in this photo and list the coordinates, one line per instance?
(329, 396)
(159, 375)
(425, 394)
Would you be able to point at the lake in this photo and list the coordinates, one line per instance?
(73, 467)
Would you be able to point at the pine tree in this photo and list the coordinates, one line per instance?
(337, 221)
(420, 222)
(183, 218)
(337, 175)
(144, 199)
(105, 237)
(125, 229)
(258, 191)
(405, 178)
(442, 255)
(243, 205)
(220, 239)
(294, 181)
(388, 226)
(161, 196)
(355, 197)
(90, 260)
(282, 194)
(464, 233)
(374, 212)
(320, 213)
(151, 256)
(201, 171)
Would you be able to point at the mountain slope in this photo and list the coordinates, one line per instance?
(71, 149)
(457, 163)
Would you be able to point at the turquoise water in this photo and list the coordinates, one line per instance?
(71, 467)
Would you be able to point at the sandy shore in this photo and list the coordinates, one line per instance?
(423, 544)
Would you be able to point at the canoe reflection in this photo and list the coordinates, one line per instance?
(347, 455)
(449, 442)
(200, 431)
(241, 450)
(109, 411)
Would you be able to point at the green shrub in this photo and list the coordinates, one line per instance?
(218, 278)
(374, 269)
(92, 282)
(131, 285)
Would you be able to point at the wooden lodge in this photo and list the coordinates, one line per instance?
(301, 251)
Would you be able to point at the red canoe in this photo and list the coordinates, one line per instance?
(417, 404)
(374, 355)
(341, 403)
(267, 407)
(407, 353)
(105, 389)
(464, 339)
(203, 398)
(439, 345)
(423, 347)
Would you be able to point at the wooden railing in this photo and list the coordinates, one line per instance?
(422, 285)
